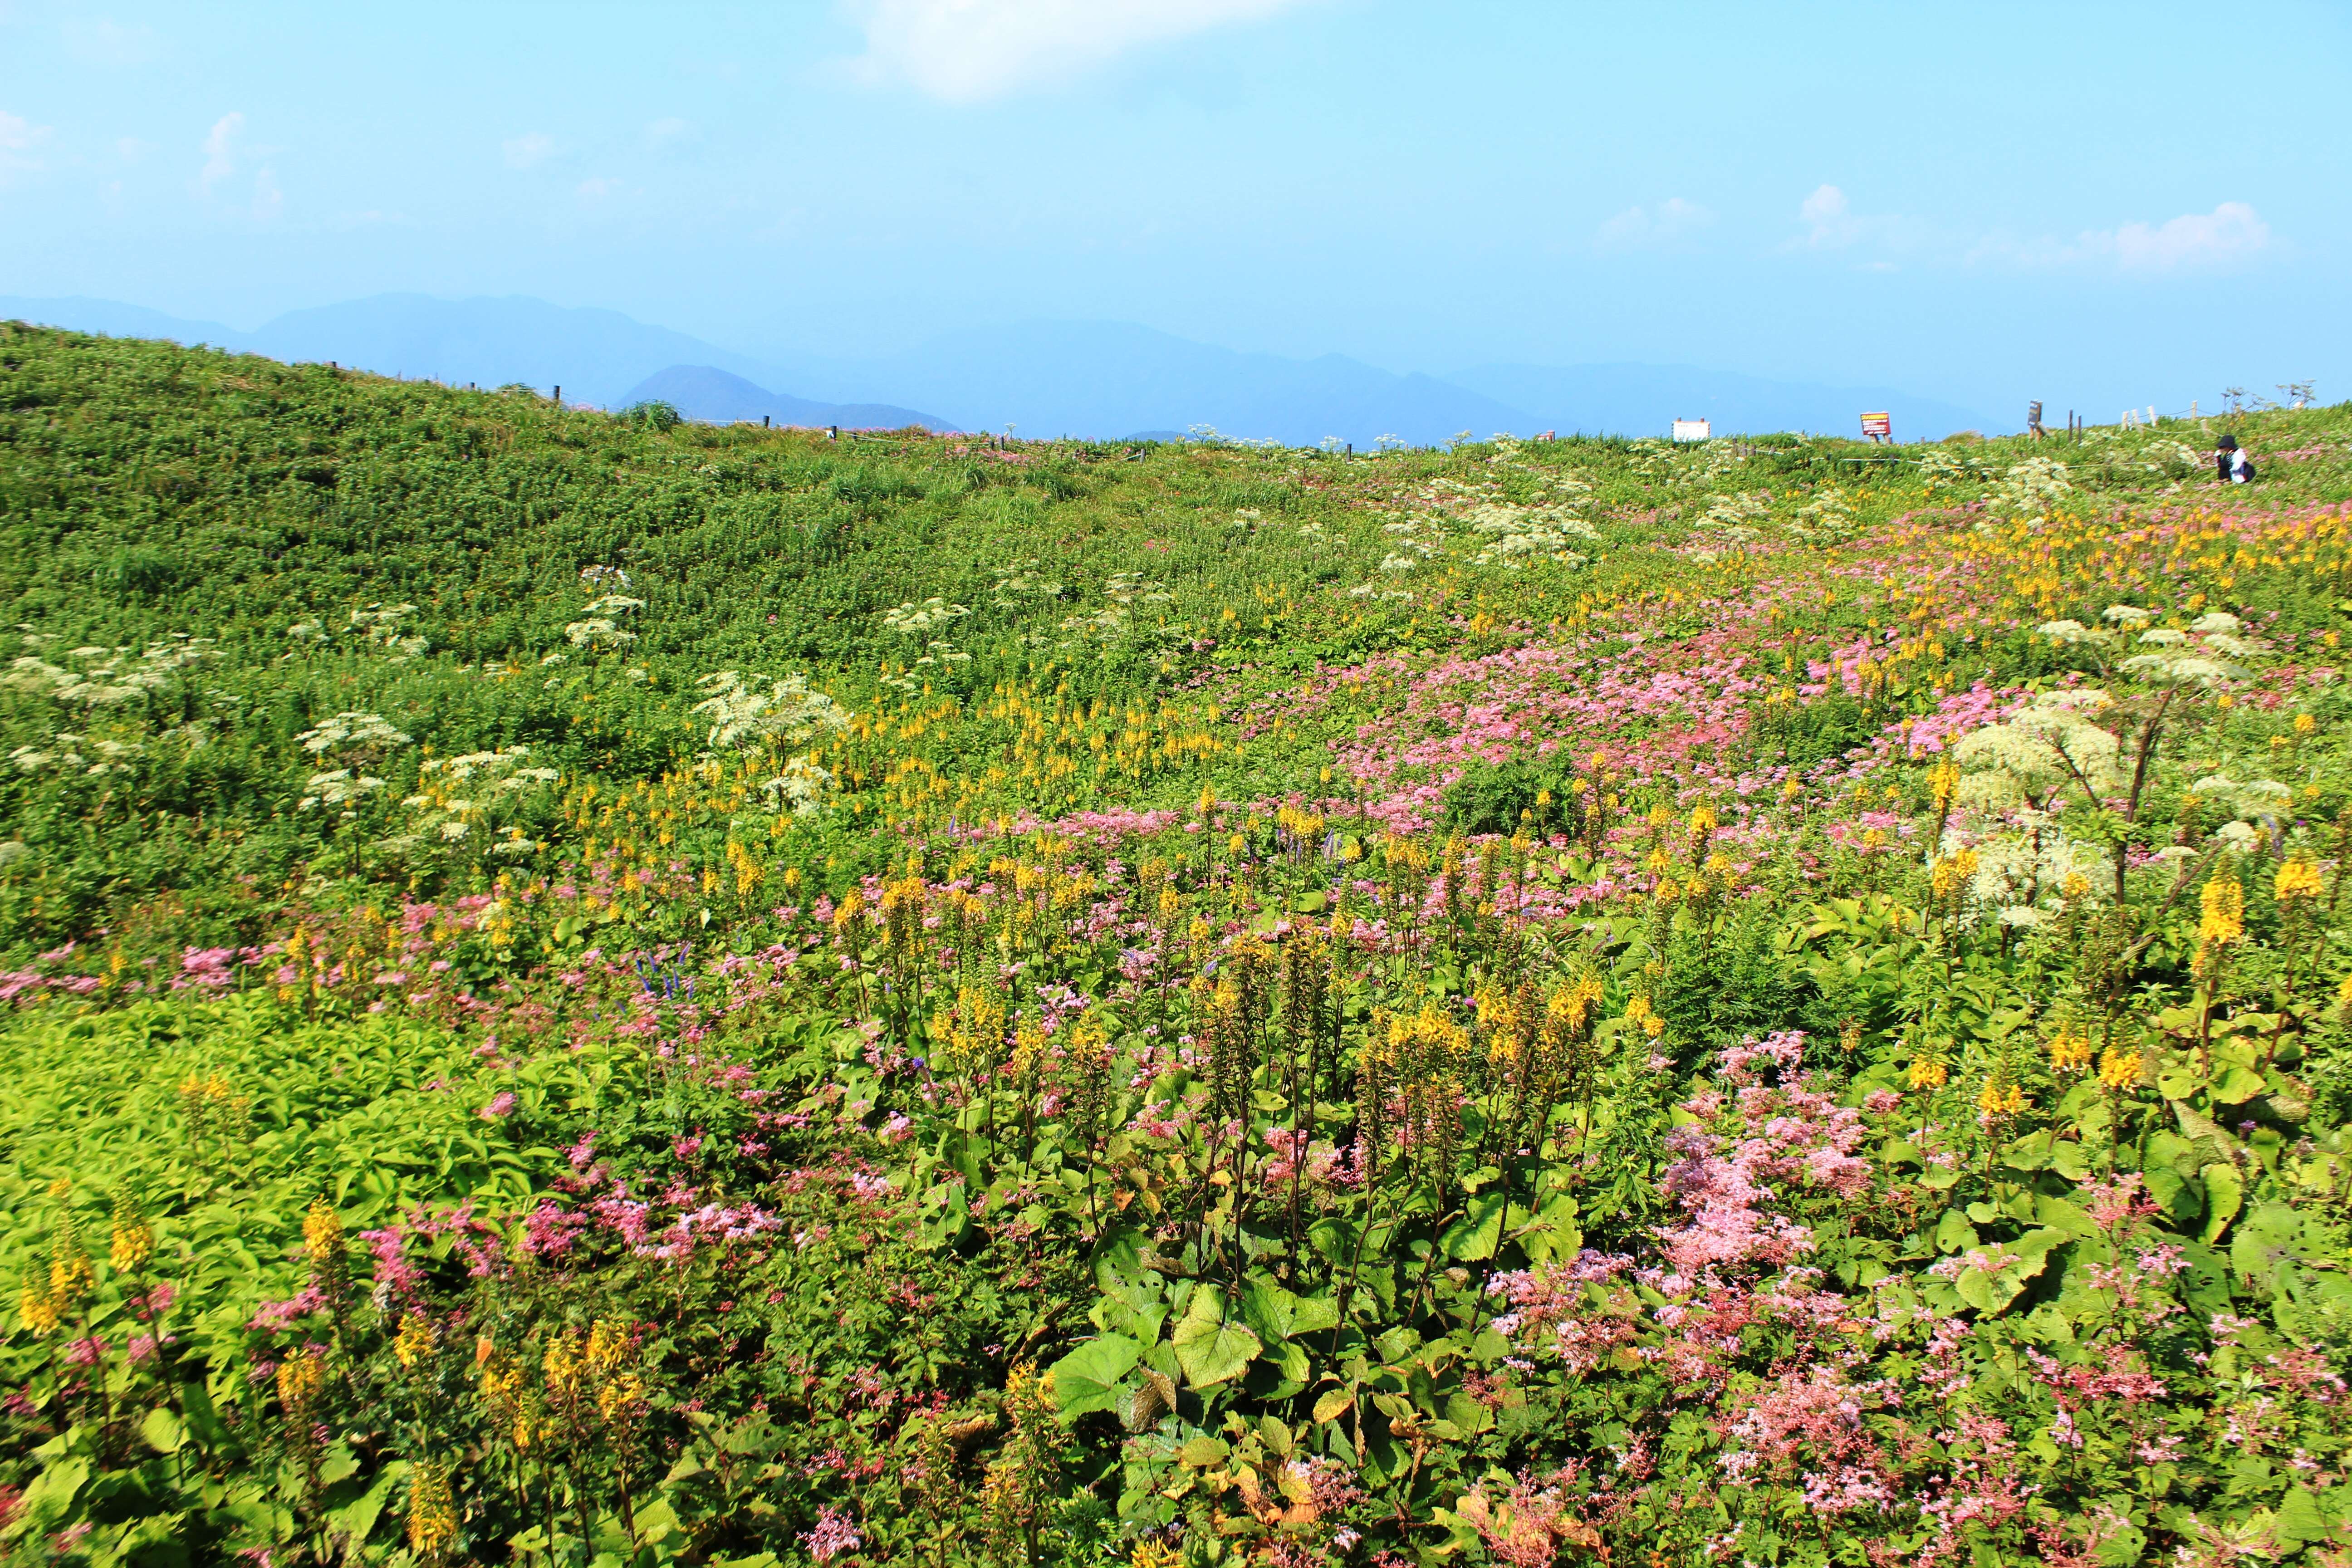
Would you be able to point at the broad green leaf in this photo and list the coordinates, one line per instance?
(1954, 1233)
(2225, 1191)
(1334, 1404)
(1087, 1378)
(2236, 1085)
(1211, 1350)
(161, 1431)
(1473, 1237)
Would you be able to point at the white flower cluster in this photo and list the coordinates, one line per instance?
(350, 731)
(1517, 534)
(2030, 489)
(2209, 653)
(108, 677)
(788, 710)
(599, 625)
(450, 818)
(911, 618)
(2049, 743)
(92, 757)
(1022, 580)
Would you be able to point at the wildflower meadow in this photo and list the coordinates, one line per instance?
(582, 989)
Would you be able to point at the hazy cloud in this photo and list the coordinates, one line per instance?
(107, 42)
(2232, 234)
(220, 151)
(268, 199)
(966, 51)
(527, 150)
(597, 187)
(1638, 227)
(1828, 218)
(20, 141)
(663, 132)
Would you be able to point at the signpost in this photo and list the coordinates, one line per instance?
(2033, 420)
(1878, 426)
(1692, 430)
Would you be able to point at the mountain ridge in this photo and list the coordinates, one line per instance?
(1041, 377)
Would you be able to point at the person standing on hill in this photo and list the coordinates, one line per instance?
(2231, 464)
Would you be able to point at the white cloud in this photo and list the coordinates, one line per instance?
(20, 141)
(2232, 234)
(661, 132)
(220, 151)
(596, 188)
(1828, 218)
(268, 199)
(107, 42)
(1831, 223)
(1670, 220)
(965, 51)
(526, 151)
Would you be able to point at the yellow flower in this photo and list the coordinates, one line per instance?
(322, 1231)
(2223, 920)
(2070, 1052)
(38, 1310)
(2304, 724)
(1929, 1072)
(300, 1378)
(1944, 781)
(2297, 879)
(416, 1340)
(133, 1243)
(432, 1511)
(2119, 1069)
(2075, 885)
(609, 1345)
(1999, 1099)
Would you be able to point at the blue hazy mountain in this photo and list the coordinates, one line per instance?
(1100, 379)
(704, 392)
(1640, 399)
(1110, 379)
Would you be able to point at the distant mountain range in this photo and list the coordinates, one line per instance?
(1099, 379)
(706, 392)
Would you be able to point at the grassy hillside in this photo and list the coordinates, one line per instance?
(589, 986)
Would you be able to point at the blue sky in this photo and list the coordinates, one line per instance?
(1984, 203)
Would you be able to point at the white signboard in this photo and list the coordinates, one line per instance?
(1691, 430)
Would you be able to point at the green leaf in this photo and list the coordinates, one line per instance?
(2225, 1191)
(1954, 1233)
(1334, 1404)
(161, 1430)
(1087, 1378)
(2236, 1085)
(1210, 1350)
(1473, 1235)
(1200, 1453)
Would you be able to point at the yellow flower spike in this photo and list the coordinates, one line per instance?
(302, 1377)
(2119, 1069)
(2070, 1052)
(1928, 1071)
(432, 1509)
(2223, 918)
(2298, 879)
(416, 1340)
(132, 1242)
(38, 1310)
(2000, 1098)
